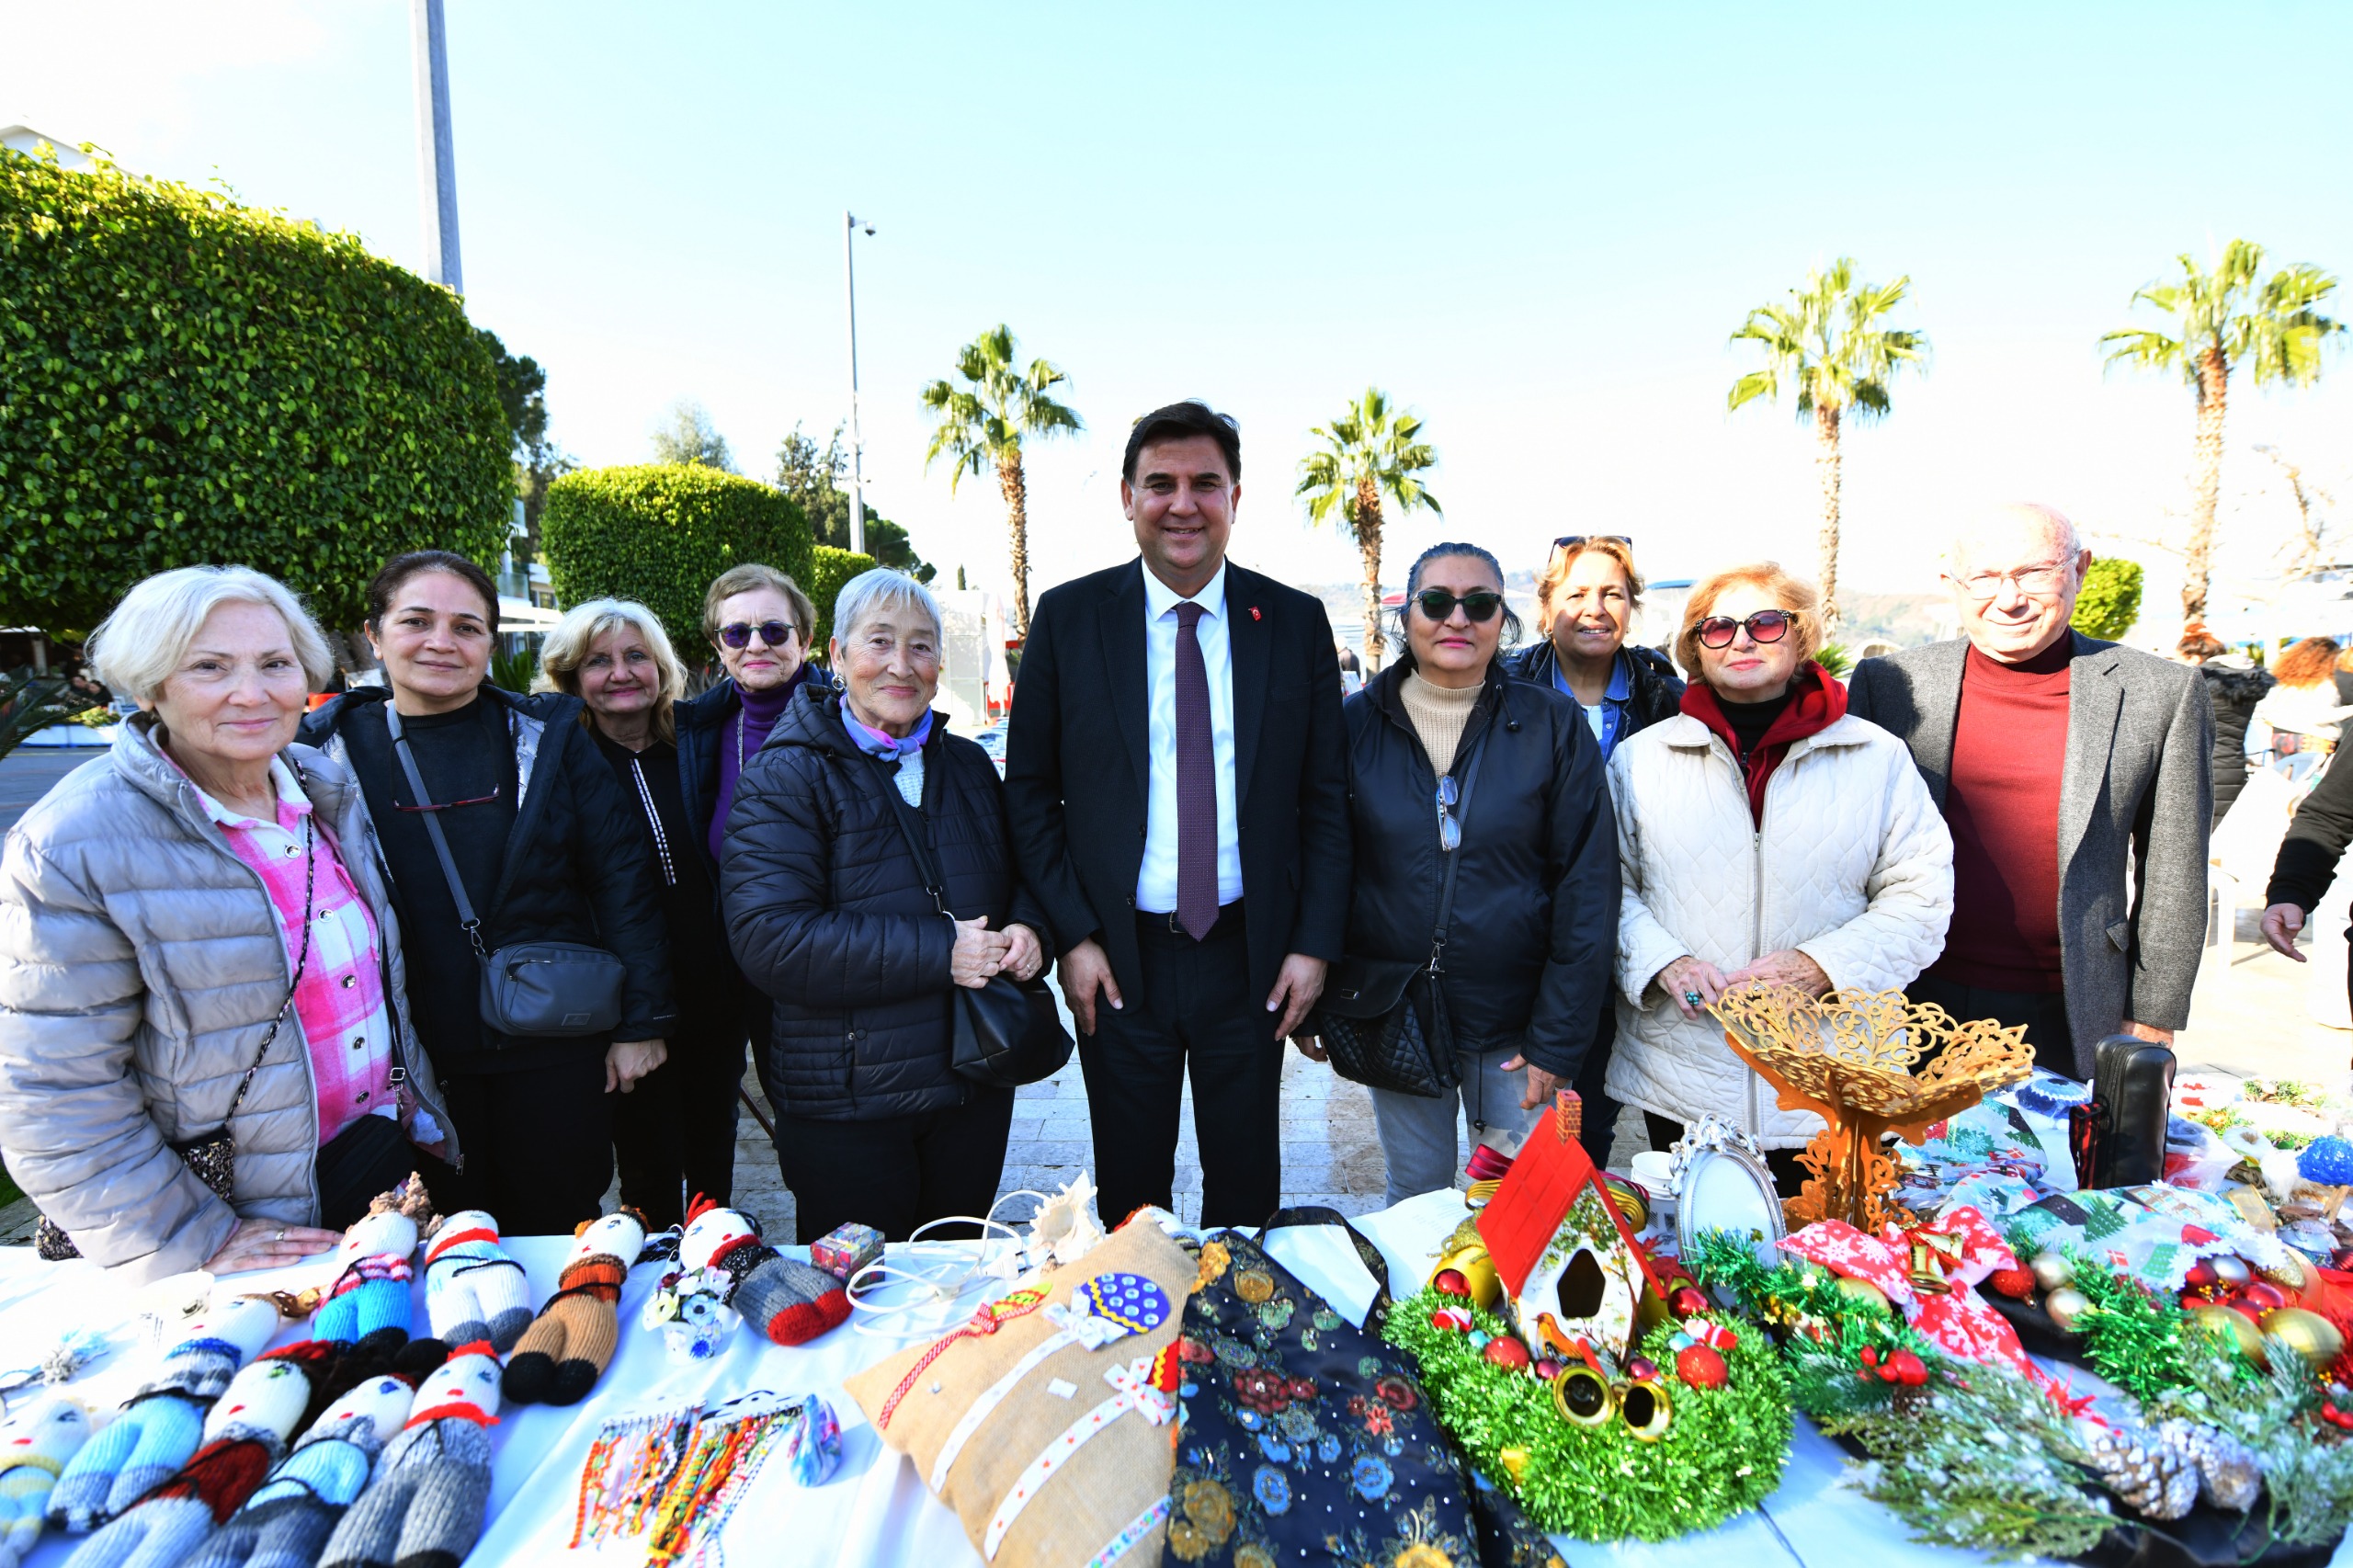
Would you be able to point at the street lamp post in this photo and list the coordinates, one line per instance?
(850, 226)
(435, 150)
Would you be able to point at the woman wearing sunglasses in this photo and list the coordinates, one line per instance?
(545, 849)
(1457, 771)
(1766, 836)
(759, 622)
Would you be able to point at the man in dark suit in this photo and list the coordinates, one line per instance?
(1177, 777)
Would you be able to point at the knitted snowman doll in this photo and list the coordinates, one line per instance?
(371, 1292)
(34, 1447)
(472, 1289)
(287, 1522)
(790, 1302)
(244, 1436)
(567, 1348)
(164, 1422)
(424, 1507)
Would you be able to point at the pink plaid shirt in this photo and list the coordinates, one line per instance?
(340, 1001)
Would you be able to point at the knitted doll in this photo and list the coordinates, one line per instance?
(163, 1422)
(569, 1345)
(790, 1302)
(244, 1436)
(34, 1447)
(472, 1290)
(370, 1293)
(287, 1522)
(424, 1507)
(336, 1368)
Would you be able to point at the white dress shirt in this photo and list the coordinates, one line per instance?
(1156, 882)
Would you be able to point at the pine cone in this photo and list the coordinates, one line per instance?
(2155, 1479)
(2227, 1469)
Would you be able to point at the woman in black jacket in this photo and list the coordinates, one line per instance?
(2233, 688)
(547, 848)
(1451, 758)
(2308, 859)
(830, 918)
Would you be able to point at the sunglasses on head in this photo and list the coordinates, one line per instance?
(1766, 626)
(775, 634)
(1479, 603)
(1572, 542)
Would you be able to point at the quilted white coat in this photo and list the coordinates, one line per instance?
(1852, 865)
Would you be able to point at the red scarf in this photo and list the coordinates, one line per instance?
(1820, 702)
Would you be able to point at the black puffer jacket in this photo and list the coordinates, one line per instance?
(1535, 927)
(1654, 691)
(2234, 689)
(829, 916)
(575, 868)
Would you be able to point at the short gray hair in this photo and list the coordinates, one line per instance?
(2071, 544)
(875, 593)
(137, 647)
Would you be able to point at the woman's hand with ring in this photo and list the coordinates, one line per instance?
(979, 953)
(265, 1244)
(1695, 985)
(1025, 955)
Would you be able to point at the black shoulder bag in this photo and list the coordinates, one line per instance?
(1383, 1021)
(1007, 1032)
(537, 990)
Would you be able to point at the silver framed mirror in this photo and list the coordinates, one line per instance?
(1721, 1184)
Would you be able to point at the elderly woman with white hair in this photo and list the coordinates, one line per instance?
(206, 1060)
(831, 919)
(675, 1136)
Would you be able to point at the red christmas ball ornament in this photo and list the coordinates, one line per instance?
(1642, 1368)
(1685, 1301)
(2262, 1295)
(2201, 1275)
(1454, 1318)
(1548, 1368)
(2018, 1284)
(1449, 1282)
(1507, 1353)
(1701, 1368)
(1903, 1367)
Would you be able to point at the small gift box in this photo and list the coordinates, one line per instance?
(845, 1249)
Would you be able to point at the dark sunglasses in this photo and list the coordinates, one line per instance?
(1766, 626)
(1570, 542)
(775, 634)
(1479, 603)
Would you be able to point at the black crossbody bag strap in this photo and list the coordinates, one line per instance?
(1454, 861)
(467, 919)
(918, 839)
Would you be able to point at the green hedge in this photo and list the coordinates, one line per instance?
(185, 379)
(2111, 601)
(827, 575)
(658, 533)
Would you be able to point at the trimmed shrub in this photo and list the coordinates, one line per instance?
(659, 532)
(184, 379)
(831, 569)
(2111, 601)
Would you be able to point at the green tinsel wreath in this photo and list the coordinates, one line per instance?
(1722, 1454)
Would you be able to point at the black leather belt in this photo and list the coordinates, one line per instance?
(1153, 923)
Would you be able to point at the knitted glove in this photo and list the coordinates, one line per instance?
(472, 1289)
(424, 1508)
(245, 1435)
(164, 1422)
(788, 1300)
(567, 1348)
(33, 1447)
(287, 1522)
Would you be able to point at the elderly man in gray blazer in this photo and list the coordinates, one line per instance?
(2073, 775)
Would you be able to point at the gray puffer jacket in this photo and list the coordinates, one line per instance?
(140, 964)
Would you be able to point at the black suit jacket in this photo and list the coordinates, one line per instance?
(1078, 768)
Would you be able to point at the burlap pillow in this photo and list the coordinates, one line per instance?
(1107, 1499)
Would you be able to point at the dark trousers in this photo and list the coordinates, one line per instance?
(1196, 1010)
(1789, 1177)
(673, 1135)
(537, 1145)
(896, 1173)
(2044, 1013)
(1601, 1122)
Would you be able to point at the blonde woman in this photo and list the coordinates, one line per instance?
(1586, 597)
(1765, 836)
(676, 1136)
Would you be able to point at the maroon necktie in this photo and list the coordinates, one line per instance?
(1195, 783)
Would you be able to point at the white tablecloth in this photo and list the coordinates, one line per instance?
(875, 1511)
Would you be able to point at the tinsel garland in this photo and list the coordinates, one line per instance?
(1801, 1299)
(1722, 1454)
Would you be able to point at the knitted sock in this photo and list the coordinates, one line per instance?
(789, 1300)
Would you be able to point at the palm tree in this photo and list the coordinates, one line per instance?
(983, 424)
(1369, 449)
(1828, 343)
(2222, 319)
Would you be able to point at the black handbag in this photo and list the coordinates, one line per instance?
(536, 989)
(2131, 1097)
(1384, 1022)
(1009, 1032)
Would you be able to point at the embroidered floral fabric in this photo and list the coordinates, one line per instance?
(1307, 1440)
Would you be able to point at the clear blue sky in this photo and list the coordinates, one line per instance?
(1535, 225)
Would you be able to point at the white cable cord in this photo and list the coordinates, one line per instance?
(934, 1288)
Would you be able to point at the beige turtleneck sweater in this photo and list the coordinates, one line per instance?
(1438, 713)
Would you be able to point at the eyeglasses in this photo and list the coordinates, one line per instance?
(449, 806)
(1479, 603)
(1982, 585)
(1572, 542)
(775, 634)
(1449, 830)
(1766, 626)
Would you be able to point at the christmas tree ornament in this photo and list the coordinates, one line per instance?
(1700, 1367)
(2308, 1333)
(1507, 1353)
(2018, 1284)
(2066, 1307)
(2052, 1269)
(2233, 1325)
(2228, 1473)
(2231, 1272)
(2153, 1478)
(1866, 1295)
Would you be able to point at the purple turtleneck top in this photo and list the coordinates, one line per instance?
(744, 735)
